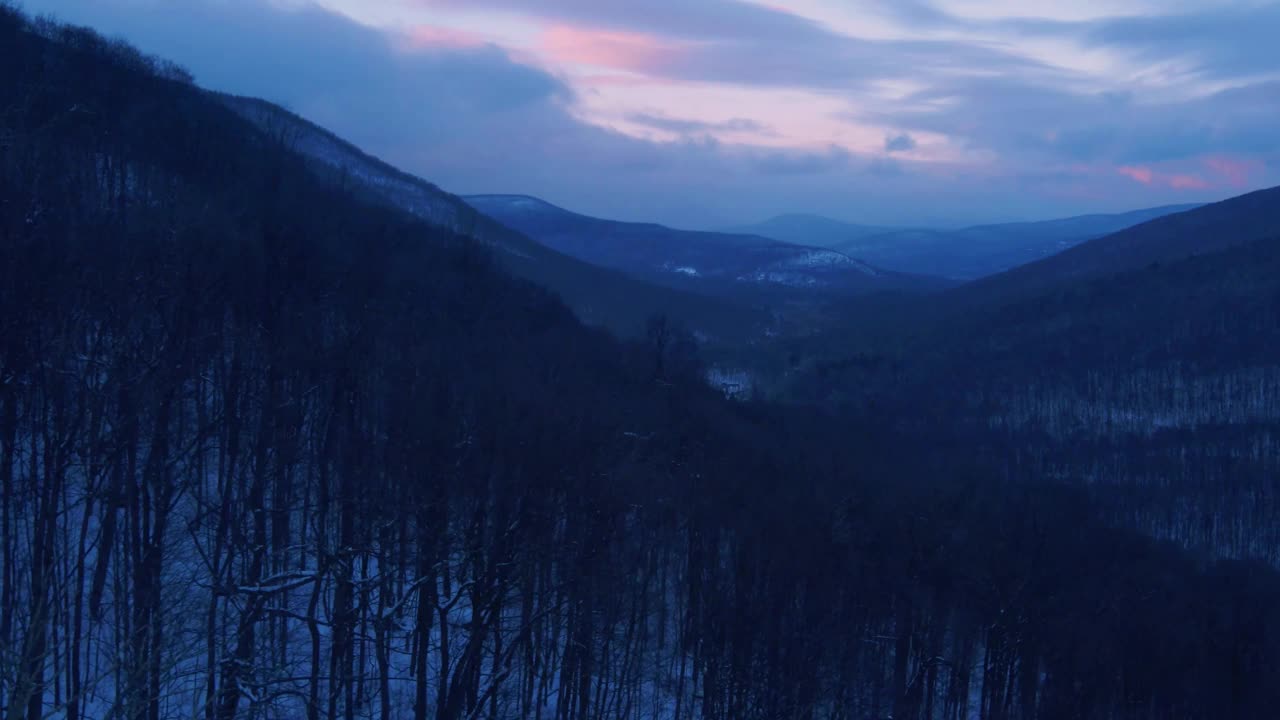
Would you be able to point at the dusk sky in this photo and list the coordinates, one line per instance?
(702, 113)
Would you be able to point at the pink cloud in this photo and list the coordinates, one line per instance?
(613, 80)
(1236, 172)
(430, 36)
(1177, 181)
(778, 8)
(1144, 175)
(637, 52)
(1187, 182)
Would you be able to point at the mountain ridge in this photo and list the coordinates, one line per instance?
(962, 253)
(686, 258)
(600, 296)
(1205, 229)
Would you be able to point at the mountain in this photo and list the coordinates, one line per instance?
(599, 295)
(1201, 231)
(806, 229)
(708, 261)
(961, 254)
(1142, 365)
(961, 318)
(1194, 294)
(272, 446)
(747, 293)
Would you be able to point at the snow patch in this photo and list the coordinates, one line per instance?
(735, 384)
(781, 277)
(819, 259)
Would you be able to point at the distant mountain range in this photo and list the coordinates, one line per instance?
(600, 296)
(963, 254)
(1189, 296)
(1194, 296)
(1170, 237)
(728, 288)
(813, 230)
(704, 261)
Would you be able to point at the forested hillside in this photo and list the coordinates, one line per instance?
(271, 448)
(1203, 231)
(719, 263)
(1142, 366)
(600, 296)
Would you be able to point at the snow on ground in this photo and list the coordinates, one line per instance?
(827, 259)
(818, 259)
(736, 384)
(781, 277)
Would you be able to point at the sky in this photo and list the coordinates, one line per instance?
(712, 113)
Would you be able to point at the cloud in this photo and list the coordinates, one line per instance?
(703, 19)
(1176, 180)
(730, 41)
(1025, 122)
(803, 163)
(899, 143)
(1188, 182)
(1217, 39)
(639, 52)
(1236, 172)
(1143, 175)
(431, 36)
(885, 167)
(679, 126)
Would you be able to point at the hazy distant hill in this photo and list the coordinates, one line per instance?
(962, 254)
(806, 229)
(707, 261)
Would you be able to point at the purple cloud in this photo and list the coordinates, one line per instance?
(726, 40)
(901, 142)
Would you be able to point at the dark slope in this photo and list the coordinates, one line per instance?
(963, 254)
(1017, 302)
(600, 295)
(1144, 366)
(1201, 231)
(1211, 312)
(716, 262)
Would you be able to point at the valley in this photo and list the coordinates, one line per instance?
(288, 432)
